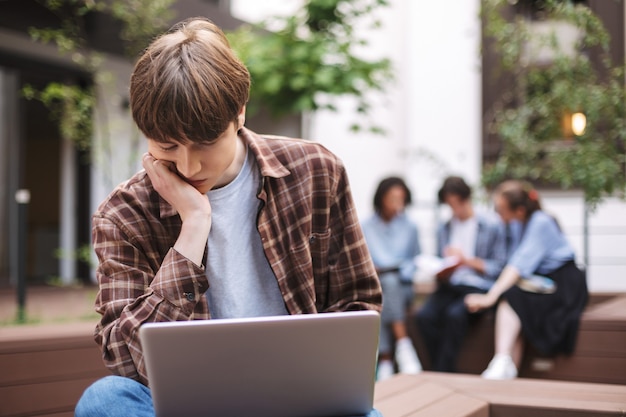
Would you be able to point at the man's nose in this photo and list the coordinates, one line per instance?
(188, 164)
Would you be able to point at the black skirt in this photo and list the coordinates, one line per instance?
(550, 321)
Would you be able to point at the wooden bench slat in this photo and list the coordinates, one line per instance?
(41, 399)
(612, 307)
(33, 338)
(411, 399)
(508, 410)
(601, 342)
(596, 322)
(42, 366)
(580, 368)
(455, 405)
(399, 383)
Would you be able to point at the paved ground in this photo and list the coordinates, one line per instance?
(50, 304)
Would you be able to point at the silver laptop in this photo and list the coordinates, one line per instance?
(312, 365)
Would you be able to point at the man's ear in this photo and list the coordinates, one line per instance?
(241, 118)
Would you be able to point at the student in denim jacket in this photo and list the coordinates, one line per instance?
(477, 240)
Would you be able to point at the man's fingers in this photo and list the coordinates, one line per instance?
(153, 166)
(147, 160)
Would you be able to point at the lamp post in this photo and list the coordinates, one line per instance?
(22, 197)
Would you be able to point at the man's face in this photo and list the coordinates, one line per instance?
(203, 165)
(461, 209)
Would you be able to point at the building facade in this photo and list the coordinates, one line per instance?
(432, 112)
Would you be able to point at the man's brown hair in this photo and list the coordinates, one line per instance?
(188, 85)
(454, 185)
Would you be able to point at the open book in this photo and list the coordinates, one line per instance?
(432, 267)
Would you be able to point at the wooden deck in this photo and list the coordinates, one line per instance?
(433, 394)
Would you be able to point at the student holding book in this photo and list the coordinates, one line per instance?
(473, 247)
(548, 321)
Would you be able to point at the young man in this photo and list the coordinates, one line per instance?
(221, 223)
(478, 241)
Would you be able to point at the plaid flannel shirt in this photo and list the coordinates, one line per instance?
(307, 223)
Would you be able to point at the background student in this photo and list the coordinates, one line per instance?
(477, 241)
(549, 322)
(393, 241)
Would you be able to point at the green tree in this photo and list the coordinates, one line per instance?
(529, 118)
(313, 57)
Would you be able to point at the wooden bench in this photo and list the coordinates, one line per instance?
(44, 369)
(600, 354)
(433, 394)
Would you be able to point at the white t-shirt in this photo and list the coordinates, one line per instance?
(463, 235)
(241, 281)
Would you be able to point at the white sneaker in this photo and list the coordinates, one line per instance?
(500, 367)
(385, 370)
(408, 362)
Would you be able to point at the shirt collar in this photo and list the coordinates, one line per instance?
(269, 164)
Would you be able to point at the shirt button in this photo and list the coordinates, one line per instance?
(190, 296)
(312, 239)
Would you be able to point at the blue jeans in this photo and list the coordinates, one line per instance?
(398, 297)
(114, 396)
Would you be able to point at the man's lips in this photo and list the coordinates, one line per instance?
(195, 183)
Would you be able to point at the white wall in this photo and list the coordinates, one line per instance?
(370, 157)
(117, 144)
(431, 112)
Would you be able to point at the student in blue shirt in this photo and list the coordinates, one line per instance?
(477, 241)
(393, 241)
(548, 321)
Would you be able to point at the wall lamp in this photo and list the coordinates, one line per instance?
(574, 124)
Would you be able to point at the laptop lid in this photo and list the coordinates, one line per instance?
(311, 365)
